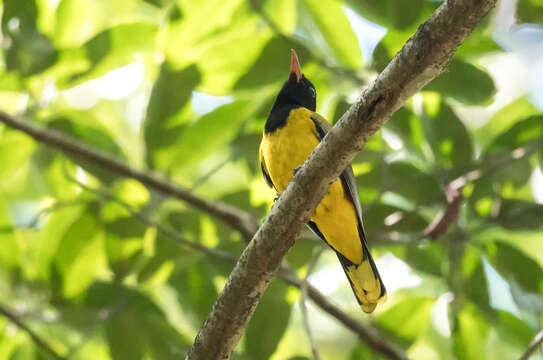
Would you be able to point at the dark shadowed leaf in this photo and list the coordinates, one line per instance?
(530, 11)
(427, 258)
(520, 215)
(449, 139)
(514, 264)
(171, 92)
(452, 83)
(135, 327)
(261, 338)
(195, 288)
(413, 184)
(273, 64)
(27, 50)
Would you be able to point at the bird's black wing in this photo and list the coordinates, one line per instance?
(347, 176)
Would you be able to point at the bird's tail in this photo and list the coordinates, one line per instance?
(365, 281)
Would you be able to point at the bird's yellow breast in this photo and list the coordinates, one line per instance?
(288, 147)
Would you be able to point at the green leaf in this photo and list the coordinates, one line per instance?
(269, 322)
(273, 64)
(79, 20)
(11, 253)
(427, 258)
(80, 256)
(503, 119)
(475, 282)
(14, 163)
(196, 289)
(126, 341)
(411, 183)
(471, 334)
(115, 47)
(338, 35)
(518, 135)
(512, 263)
(520, 215)
(123, 243)
(301, 254)
(414, 315)
(449, 139)
(171, 92)
(363, 351)
(452, 83)
(208, 133)
(369, 171)
(396, 14)
(407, 126)
(224, 47)
(136, 328)
(29, 51)
(530, 11)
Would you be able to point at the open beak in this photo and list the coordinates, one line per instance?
(295, 65)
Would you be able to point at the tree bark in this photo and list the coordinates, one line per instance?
(421, 59)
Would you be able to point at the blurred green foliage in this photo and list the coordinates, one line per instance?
(183, 88)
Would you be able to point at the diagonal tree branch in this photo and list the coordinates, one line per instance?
(238, 219)
(421, 59)
(365, 333)
(69, 145)
(38, 340)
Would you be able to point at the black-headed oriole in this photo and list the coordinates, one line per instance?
(293, 130)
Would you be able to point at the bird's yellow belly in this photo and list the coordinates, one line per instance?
(286, 149)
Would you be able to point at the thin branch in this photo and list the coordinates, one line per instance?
(303, 306)
(449, 216)
(365, 333)
(534, 345)
(423, 57)
(38, 340)
(446, 217)
(238, 219)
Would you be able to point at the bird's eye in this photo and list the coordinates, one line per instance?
(312, 91)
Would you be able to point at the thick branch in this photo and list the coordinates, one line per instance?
(238, 219)
(422, 58)
(71, 146)
(365, 334)
(10, 315)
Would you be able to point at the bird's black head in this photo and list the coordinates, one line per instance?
(297, 90)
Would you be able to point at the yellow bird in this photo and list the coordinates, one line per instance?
(293, 130)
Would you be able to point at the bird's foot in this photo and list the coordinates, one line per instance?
(296, 170)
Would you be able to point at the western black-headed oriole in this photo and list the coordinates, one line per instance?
(292, 131)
